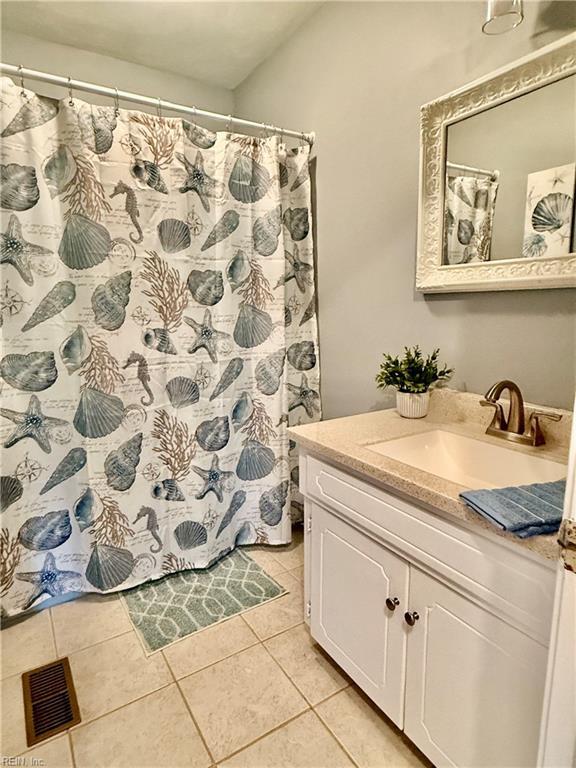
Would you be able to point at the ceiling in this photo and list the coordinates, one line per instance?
(219, 43)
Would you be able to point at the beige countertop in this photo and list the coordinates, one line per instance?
(346, 441)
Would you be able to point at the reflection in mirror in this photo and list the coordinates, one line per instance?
(510, 179)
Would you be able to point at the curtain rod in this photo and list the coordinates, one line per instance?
(458, 167)
(116, 94)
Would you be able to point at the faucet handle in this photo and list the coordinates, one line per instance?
(535, 430)
(545, 415)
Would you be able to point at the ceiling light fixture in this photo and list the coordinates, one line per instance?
(502, 16)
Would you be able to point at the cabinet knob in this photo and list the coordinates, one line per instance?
(411, 617)
(391, 603)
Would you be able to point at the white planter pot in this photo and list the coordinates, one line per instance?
(412, 406)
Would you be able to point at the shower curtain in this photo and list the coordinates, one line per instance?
(158, 336)
(470, 203)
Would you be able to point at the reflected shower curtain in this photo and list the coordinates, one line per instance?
(470, 204)
(158, 336)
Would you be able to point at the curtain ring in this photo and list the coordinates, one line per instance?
(22, 87)
(229, 124)
(116, 103)
(159, 108)
(70, 97)
(265, 131)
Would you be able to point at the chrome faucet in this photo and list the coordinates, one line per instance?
(512, 425)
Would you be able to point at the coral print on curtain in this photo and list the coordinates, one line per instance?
(158, 336)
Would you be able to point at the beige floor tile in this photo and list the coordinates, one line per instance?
(52, 754)
(154, 731)
(12, 724)
(287, 580)
(298, 573)
(280, 614)
(311, 671)
(81, 623)
(239, 699)
(27, 643)
(265, 560)
(55, 752)
(369, 737)
(302, 743)
(12, 728)
(114, 673)
(209, 646)
(292, 555)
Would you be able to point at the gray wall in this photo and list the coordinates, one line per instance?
(65, 60)
(357, 73)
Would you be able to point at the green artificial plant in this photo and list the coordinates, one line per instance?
(412, 373)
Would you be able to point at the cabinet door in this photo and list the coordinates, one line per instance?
(474, 684)
(352, 576)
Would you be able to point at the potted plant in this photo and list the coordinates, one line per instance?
(412, 376)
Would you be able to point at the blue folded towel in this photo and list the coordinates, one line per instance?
(525, 510)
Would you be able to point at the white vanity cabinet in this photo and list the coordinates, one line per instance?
(474, 684)
(352, 577)
(465, 677)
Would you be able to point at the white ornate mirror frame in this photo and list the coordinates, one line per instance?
(545, 66)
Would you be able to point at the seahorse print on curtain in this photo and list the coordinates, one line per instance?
(158, 336)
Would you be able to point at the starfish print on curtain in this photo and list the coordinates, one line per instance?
(32, 423)
(297, 270)
(207, 337)
(214, 478)
(50, 580)
(199, 181)
(17, 251)
(305, 397)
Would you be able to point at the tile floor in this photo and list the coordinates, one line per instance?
(253, 692)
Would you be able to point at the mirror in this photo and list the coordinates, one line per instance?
(509, 181)
(498, 179)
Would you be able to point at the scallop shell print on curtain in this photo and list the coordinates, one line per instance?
(158, 336)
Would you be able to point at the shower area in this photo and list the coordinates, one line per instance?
(158, 337)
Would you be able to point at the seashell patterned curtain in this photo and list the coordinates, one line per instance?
(158, 336)
(469, 219)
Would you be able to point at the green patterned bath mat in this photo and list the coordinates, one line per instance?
(177, 605)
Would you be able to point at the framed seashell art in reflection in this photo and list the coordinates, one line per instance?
(549, 218)
(497, 180)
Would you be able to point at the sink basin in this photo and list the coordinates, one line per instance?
(469, 462)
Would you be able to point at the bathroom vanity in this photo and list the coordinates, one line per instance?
(441, 619)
